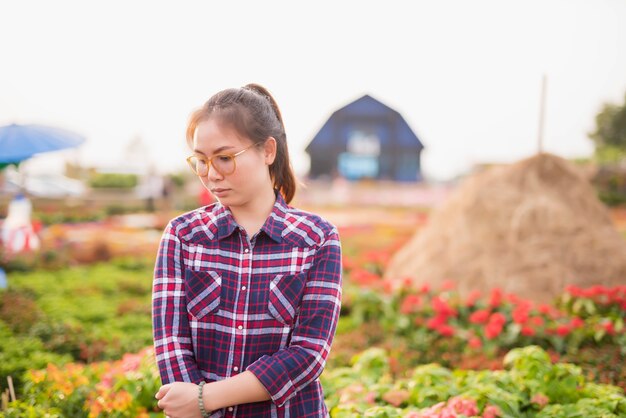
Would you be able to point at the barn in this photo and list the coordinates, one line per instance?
(366, 139)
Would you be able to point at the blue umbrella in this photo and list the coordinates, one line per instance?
(20, 142)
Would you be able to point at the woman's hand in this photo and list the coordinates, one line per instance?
(179, 400)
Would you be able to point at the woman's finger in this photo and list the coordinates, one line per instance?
(163, 391)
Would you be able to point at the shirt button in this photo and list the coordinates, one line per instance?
(230, 409)
(246, 250)
(236, 368)
(240, 327)
(243, 288)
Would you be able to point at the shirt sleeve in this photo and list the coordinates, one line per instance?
(294, 367)
(170, 326)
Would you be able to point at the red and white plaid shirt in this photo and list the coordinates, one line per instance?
(224, 302)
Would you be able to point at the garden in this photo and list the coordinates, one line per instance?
(75, 341)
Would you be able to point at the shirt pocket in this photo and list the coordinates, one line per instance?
(203, 291)
(285, 294)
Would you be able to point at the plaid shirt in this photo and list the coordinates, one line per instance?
(224, 302)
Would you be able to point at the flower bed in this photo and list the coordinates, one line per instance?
(531, 386)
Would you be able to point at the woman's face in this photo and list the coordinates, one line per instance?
(251, 174)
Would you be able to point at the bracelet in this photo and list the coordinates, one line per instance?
(203, 411)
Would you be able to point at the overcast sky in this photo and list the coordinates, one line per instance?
(466, 75)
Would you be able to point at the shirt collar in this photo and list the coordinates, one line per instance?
(273, 227)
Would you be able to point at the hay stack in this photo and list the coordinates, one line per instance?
(530, 228)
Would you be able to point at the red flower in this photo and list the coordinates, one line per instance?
(445, 330)
(442, 308)
(498, 318)
(410, 304)
(563, 330)
(479, 317)
(545, 309)
(520, 314)
(495, 325)
(492, 330)
(576, 322)
(496, 298)
(609, 328)
(436, 322)
(527, 331)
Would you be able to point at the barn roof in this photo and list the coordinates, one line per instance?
(373, 111)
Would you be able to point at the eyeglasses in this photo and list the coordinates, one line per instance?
(222, 163)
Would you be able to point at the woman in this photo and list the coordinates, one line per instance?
(247, 291)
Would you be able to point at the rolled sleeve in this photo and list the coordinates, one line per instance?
(171, 332)
(294, 367)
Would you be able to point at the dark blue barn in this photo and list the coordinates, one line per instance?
(366, 139)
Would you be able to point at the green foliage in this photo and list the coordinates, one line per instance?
(113, 180)
(610, 127)
(531, 387)
(21, 353)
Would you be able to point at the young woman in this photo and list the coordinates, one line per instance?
(247, 291)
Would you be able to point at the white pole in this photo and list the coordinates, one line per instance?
(542, 111)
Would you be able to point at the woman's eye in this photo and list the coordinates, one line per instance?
(223, 158)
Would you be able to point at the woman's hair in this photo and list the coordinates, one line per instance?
(252, 112)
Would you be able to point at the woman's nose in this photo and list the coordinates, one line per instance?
(213, 174)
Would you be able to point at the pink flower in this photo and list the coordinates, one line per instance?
(491, 411)
(540, 399)
(475, 343)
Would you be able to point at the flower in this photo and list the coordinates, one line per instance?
(563, 330)
(576, 322)
(540, 399)
(410, 304)
(475, 342)
(396, 397)
(496, 298)
(479, 317)
(491, 411)
(445, 330)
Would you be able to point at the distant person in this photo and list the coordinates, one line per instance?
(247, 291)
(17, 232)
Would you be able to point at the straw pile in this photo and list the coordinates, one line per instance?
(530, 228)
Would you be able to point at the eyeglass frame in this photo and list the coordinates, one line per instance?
(209, 161)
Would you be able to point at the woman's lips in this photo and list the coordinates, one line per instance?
(218, 191)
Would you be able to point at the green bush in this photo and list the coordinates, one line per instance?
(113, 180)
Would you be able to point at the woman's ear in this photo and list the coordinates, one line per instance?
(269, 150)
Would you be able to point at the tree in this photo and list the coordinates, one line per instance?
(609, 136)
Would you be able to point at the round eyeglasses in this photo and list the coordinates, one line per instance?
(222, 163)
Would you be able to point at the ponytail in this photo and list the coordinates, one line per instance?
(281, 170)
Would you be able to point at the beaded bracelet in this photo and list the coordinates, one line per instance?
(203, 411)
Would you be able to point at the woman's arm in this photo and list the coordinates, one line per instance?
(181, 399)
(172, 336)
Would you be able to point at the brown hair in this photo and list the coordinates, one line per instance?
(253, 112)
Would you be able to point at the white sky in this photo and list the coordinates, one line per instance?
(466, 75)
